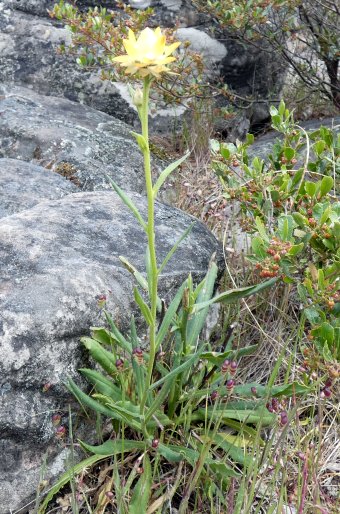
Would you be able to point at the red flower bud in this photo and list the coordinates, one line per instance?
(225, 366)
(254, 391)
(119, 364)
(214, 395)
(46, 387)
(233, 367)
(155, 443)
(230, 384)
(138, 354)
(61, 432)
(56, 419)
(327, 392)
(275, 404)
(283, 418)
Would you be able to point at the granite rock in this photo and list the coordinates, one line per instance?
(74, 140)
(57, 257)
(23, 185)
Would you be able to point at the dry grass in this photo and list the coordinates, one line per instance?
(313, 485)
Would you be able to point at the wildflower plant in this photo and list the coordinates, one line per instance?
(176, 401)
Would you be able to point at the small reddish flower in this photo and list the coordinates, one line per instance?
(61, 432)
(138, 354)
(283, 418)
(230, 384)
(214, 395)
(233, 367)
(119, 364)
(327, 392)
(225, 366)
(56, 419)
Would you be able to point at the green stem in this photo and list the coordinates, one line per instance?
(153, 278)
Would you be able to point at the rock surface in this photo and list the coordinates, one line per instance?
(77, 141)
(56, 258)
(23, 185)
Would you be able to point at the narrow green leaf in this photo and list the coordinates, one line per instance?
(174, 248)
(198, 317)
(168, 170)
(67, 477)
(169, 315)
(190, 362)
(90, 402)
(260, 415)
(142, 491)
(118, 336)
(138, 276)
(102, 384)
(145, 310)
(138, 371)
(114, 447)
(103, 357)
(245, 390)
(102, 335)
(159, 399)
(236, 294)
(129, 203)
(235, 453)
(174, 453)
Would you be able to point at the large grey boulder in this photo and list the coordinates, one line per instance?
(29, 42)
(74, 140)
(23, 185)
(56, 258)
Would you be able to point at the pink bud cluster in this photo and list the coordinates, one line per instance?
(279, 407)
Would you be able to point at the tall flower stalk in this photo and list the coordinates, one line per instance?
(153, 287)
(148, 57)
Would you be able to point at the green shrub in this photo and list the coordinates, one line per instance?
(289, 206)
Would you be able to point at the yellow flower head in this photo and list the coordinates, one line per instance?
(147, 55)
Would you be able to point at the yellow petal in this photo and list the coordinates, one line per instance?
(130, 47)
(132, 36)
(171, 48)
(122, 58)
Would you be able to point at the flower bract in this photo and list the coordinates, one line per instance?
(148, 54)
